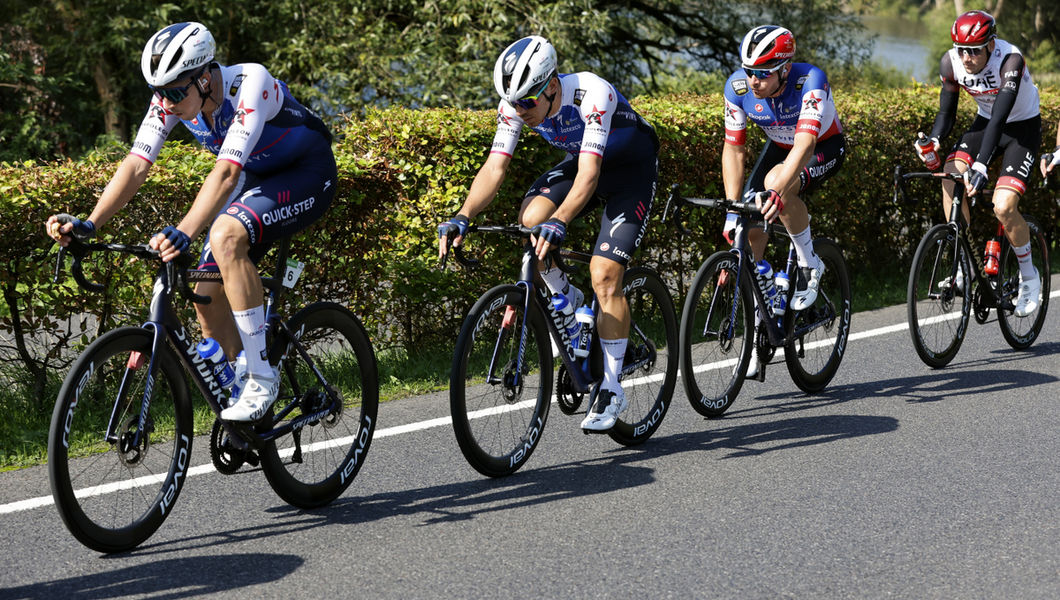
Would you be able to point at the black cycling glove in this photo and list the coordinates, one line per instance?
(552, 231)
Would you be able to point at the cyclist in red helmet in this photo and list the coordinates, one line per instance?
(1008, 122)
(792, 103)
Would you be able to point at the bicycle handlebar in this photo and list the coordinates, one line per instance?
(79, 250)
(513, 231)
(901, 176)
(748, 208)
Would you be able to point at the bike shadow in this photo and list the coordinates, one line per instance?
(169, 578)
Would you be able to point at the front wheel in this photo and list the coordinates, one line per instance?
(329, 365)
(939, 300)
(717, 331)
(649, 372)
(500, 385)
(817, 336)
(114, 488)
(1020, 332)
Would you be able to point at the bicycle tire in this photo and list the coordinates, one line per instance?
(653, 340)
(931, 308)
(310, 473)
(1020, 332)
(499, 424)
(717, 333)
(817, 335)
(112, 499)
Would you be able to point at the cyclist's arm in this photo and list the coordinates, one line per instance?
(582, 189)
(947, 114)
(131, 174)
(211, 197)
(798, 157)
(1012, 67)
(732, 169)
(486, 184)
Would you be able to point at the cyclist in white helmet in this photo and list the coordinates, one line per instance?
(250, 199)
(611, 161)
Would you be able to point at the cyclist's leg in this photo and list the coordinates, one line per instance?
(960, 160)
(216, 319)
(628, 191)
(278, 205)
(770, 156)
(1019, 140)
(540, 201)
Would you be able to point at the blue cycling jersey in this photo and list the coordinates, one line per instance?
(804, 105)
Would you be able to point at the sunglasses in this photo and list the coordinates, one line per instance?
(762, 73)
(528, 102)
(970, 50)
(174, 94)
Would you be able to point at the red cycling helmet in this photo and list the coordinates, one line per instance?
(973, 28)
(766, 47)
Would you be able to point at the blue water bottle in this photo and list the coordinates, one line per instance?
(783, 283)
(765, 283)
(214, 355)
(562, 306)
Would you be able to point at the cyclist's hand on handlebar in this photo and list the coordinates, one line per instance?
(549, 234)
(451, 233)
(62, 227)
(170, 243)
(770, 203)
(1049, 161)
(975, 179)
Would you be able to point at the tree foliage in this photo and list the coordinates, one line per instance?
(72, 73)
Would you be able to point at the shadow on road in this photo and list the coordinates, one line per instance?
(172, 578)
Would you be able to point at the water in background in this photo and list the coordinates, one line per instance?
(900, 44)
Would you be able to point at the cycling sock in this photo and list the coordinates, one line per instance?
(803, 246)
(614, 355)
(251, 325)
(1023, 254)
(556, 280)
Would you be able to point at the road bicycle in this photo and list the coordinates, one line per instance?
(501, 382)
(939, 308)
(121, 434)
(718, 321)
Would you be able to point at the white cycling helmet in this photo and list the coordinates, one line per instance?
(766, 47)
(175, 52)
(523, 67)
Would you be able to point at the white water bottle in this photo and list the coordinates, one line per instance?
(585, 317)
(562, 306)
(214, 355)
(783, 284)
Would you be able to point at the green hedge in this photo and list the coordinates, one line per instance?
(402, 171)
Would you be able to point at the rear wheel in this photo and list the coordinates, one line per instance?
(939, 309)
(1020, 332)
(817, 335)
(500, 386)
(114, 489)
(319, 459)
(649, 372)
(717, 331)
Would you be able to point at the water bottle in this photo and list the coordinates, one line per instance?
(212, 353)
(783, 284)
(993, 250)
(765, 280)
(927, 151)
(585, 317)
(563, 306)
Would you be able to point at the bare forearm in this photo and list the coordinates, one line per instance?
(732, 170)
(211, 198)
(131, 174)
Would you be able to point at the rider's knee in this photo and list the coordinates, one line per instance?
(607, 278)
(228, 239)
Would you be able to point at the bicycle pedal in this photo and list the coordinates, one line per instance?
(593, 431)
(251, 458)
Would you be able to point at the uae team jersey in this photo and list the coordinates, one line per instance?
(1005, 70)
(593, 117)
(258, 125)
(805, 105)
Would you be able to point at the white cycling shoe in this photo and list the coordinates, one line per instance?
(1029, 297)
(254, 400)
(604, 412)
(806, 289)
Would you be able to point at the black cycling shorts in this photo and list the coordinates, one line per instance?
(279, 204)
(626, 192)
(827, 157)
(1020, 141)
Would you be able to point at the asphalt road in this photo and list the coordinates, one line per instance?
(897, 481)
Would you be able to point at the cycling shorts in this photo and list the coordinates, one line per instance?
(827, 157)
(279, 204)
(1020, 141)
(626, 191)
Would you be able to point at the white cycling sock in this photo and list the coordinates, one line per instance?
(803, 246)
(251, 325)
(614, 356)
(556, 280)
(1023, 255)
